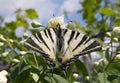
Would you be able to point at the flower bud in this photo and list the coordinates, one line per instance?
(103, 48)
(77, 76)
(96, 64)
(22, 42)
(15, 60)
(36, 24)
(115, 39)
(100, 62)
(1, 43)
(25, 35)
(117, 58)
(2, 37)
(87, 77)
(108, 34)
(23, 52)
(10, 40)
(5, 54)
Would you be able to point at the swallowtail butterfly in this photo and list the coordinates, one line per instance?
(61, 45)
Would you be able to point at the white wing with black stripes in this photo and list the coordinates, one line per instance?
(61, 45)
(43, 42)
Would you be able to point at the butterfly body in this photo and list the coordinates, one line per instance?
(61, 45)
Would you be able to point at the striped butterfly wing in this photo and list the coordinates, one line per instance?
(76, 44)
(43, 42)
(62, 44)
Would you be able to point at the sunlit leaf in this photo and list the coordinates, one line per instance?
(107, 11)
(31, 13)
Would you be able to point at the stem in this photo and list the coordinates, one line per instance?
(9, 44)
(35, 60)
(111, 58)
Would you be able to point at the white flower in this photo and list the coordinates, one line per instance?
(116, 32)
(53, 22)
(3, 78)
(5, 54)
(117, 58)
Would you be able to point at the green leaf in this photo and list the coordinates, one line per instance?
(35, 76)
(69, 73)
(21, 21)
(52, 78)
(31, 13)
(31, 60)
(117, 21)
(107, 11)
(81, 68)
(89, 10)
(33, 31)
(59, 79)
(113, 72)
(18, 68)
(23, 77)
(114, 66)
(12, 54)
(79, 26)
(103, 78)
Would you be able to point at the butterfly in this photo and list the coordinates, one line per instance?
(60, 46)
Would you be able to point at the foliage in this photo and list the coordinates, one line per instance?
(29, 67)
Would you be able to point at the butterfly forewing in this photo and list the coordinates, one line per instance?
(43, 42)
(77, 44)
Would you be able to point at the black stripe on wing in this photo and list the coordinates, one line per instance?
(77, 35)
(50, 35)
(45, 33)
(95, 46)
(30, 44)
(43, 41)
(81, 42)
(71, 37)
